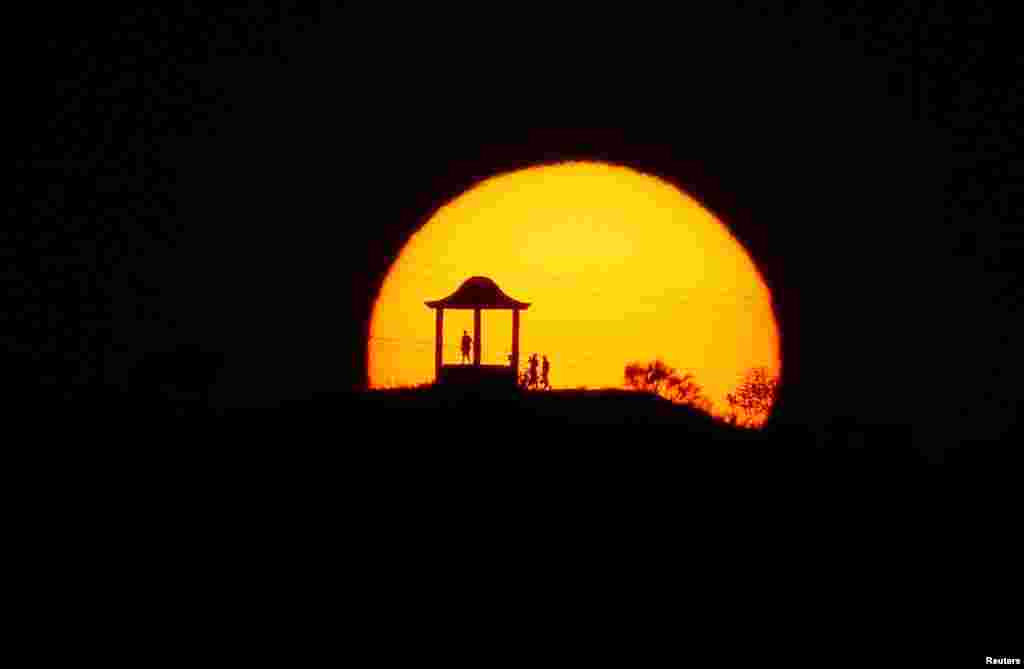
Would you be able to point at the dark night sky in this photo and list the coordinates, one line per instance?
(239, 181)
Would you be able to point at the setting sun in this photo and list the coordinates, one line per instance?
(618, 266)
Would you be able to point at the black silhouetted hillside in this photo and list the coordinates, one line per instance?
(555, 425)
(549, 426)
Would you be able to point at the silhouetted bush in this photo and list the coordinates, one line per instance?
(752, 401)
(658, 378)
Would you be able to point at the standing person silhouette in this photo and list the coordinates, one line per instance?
(545, 370)
(532, 383)
(467, 344)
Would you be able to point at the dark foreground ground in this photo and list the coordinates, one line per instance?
(549, 426)
(505, 512)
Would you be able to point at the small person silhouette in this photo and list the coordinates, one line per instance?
(467, 343)
(545, 371)
(532, 383)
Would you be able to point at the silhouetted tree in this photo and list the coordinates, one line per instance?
(659, 379)
(636, 376)
(752, 401)
(685, 390)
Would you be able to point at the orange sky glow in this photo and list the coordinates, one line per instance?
(619, 266)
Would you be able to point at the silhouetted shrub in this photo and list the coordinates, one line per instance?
(658, 378)
(752, 401)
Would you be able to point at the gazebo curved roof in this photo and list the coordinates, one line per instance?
(478, 292)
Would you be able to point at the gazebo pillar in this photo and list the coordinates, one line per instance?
(438, 341)
(515, 341)
(476, 336)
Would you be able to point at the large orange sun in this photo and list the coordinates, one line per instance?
(619, 266)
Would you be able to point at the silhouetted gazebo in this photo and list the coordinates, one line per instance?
(476, 293)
